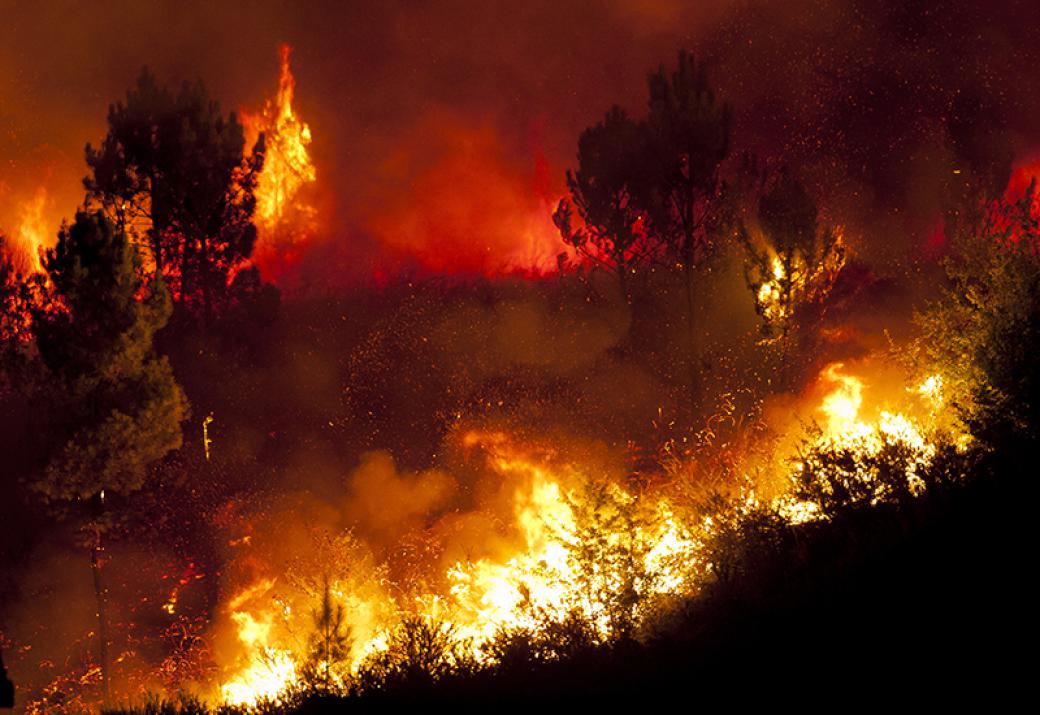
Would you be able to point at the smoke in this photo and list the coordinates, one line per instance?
(383, 505)
(442, 132)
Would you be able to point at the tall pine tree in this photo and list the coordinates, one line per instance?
(115, 406)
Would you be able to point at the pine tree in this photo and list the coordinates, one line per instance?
(605, 189)
(793, 267)
(689, 138)
(171, 172)
(115, 405)
(330, 643)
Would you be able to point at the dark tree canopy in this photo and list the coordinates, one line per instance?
(117, 406)
(171, 172)
(605, 189)
(689, 138)
(652, 188)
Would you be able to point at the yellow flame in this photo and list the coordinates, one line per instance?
(288, 167)
(575, 543)
(769, 294)
(841, 405)
(931, 389)
(269, 673)
(559, 512)
(32, 232)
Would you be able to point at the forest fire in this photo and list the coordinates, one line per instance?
(485, 366)
(544, 574)
(32, 233)
(571, 545)
(285, 214)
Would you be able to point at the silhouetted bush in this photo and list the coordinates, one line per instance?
(420, 653)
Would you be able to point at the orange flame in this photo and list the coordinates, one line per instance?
(31, 237)
(284, 216)
(558, 510)
(841, 406)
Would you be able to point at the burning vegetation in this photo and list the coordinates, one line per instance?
(284, 215)
(680, 419)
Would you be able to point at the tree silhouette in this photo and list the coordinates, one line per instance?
(171, 173)
(792, 269)
(329, 648)
(117, 407)
(605, 189)
(688, 141)
(689, 135)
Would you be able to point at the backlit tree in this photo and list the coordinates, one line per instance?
(605, 190)
(171, 173)
(792, 266)
(115, 407)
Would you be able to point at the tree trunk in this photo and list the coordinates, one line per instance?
(204, 277)
(101, 595)
(691, 320)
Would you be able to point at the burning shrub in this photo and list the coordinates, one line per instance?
(793, 272)
(891, 462)
(593, 551)
(420, 652)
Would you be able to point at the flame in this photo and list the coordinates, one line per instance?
(32, 233)
(859, 439)
(269, 673)
(643, 551)
(267, 670)
(284, 215)
(841, 405)
(568, 541)
(645, 548)
(458, 202)
(577, 544)
(769, 294)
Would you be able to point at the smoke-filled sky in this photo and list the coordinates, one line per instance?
(442, 129)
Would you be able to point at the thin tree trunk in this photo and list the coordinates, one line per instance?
(692, 323)
(102, 597)
(207, 305)
(327, 617)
